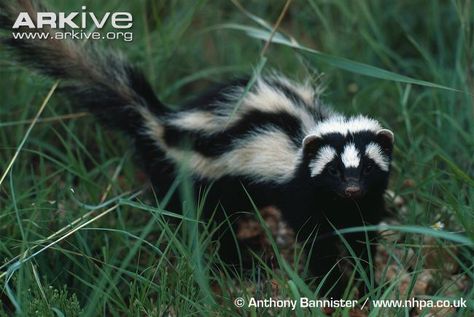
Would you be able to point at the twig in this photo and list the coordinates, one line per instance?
(50, 119)
(275, 28)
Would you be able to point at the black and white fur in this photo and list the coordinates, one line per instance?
(276, 142)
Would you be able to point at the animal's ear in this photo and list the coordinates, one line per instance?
(385, 138)
(311, 144)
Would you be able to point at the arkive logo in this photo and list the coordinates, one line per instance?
(73, 20)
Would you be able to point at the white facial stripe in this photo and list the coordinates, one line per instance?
(325, 155)
(343, 126)
(375, 153)
(350, 156)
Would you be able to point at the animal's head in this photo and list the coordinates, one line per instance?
(349, 157)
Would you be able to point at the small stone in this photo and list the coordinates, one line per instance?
(353, 88)
(409, 183)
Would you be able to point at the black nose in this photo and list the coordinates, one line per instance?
(352, 191)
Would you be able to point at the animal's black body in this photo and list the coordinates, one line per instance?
(276, 143)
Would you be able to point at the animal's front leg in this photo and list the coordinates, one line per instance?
(324, 262)
(363, 247)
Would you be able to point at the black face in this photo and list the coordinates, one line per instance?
(351, 166)
(354, 182)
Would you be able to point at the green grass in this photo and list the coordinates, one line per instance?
(382, 58)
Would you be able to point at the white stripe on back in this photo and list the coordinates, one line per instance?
(264, 156)
(342, 125)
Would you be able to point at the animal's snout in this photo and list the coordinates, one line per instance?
(353, 191)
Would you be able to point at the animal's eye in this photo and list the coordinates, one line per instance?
(368, 168)
(333, 171)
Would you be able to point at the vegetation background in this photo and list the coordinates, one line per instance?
(106, 247)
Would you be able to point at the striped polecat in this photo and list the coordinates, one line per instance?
(272, 141)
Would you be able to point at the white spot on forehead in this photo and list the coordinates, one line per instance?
(375, 153)
(343, 125)
(325, 155)
(350, 156)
